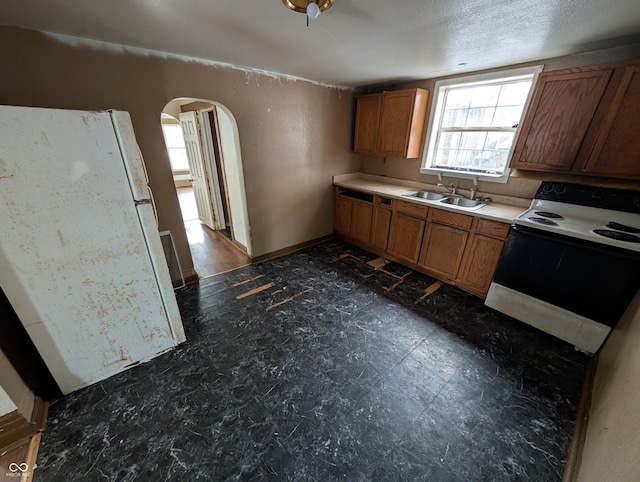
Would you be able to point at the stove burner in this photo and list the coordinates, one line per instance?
(546, 221)
(622, 227)
(546, 214)
(608, 233)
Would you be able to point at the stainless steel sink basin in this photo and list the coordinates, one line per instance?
(463, 202)
(430, 196)
(446, 198)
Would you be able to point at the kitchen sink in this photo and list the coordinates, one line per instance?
(446, 198)
(463, 202)
(431, 196)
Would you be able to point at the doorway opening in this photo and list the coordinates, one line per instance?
(204, 151)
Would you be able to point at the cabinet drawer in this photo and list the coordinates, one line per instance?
(413, 209)
(451, 219)
(492, 228)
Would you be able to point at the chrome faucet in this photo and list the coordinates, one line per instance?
(451, 188)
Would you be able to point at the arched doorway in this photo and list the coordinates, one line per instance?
(204, 150)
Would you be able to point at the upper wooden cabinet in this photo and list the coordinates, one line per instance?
(584, 122)
(391, 124)
(612, 145)
(557, 120)
(367, 124)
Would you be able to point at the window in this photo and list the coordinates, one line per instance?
(473, 124)
(175, 147)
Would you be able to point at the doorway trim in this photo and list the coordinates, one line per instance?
(209, 155)
(231, 158)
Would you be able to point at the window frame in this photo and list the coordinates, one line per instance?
(437, 107)
(175, 125)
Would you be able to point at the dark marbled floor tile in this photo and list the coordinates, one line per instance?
(336, 371)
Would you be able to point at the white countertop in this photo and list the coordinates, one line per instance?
(503, 209)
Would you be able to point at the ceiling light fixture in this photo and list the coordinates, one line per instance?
(312, 8)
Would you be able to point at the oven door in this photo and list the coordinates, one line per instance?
(565, 286)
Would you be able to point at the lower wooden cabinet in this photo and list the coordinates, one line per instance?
(353, 215)
(457, 248)
(380, 227)
(481, 261)
(361, 217)
(442, 250)
(342, 215)
(482, 255)
(405, 237)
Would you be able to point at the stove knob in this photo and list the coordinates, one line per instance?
(597, 194)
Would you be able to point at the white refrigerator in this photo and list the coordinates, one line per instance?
(81, 260)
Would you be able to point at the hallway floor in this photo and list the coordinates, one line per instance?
(212, 251)
(328, 364)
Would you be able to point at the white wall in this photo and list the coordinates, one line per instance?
(230, 148)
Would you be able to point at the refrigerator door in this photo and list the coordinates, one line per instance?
(131, 157)
(161, 270)
(74, 261)
(137, 174)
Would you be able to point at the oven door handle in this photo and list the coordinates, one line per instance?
(536, 233)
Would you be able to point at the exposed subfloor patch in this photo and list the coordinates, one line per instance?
(339, 370)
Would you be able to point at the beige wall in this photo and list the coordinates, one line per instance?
(612, 445)
(410, 168)
(294, 135)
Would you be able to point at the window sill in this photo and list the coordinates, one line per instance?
(466, 175)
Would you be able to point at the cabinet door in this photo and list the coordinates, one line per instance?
(395, 122)
(442, 249)
(561, 109)
(615, 149)
(342, 215)
(380, 229)
(367, 124)
(361, 215)
(481, 260)
(406, 236)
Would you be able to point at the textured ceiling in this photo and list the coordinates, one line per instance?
(355, 43)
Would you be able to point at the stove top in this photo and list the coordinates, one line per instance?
(605, 226)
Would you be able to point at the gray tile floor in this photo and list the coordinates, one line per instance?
(335, 371)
